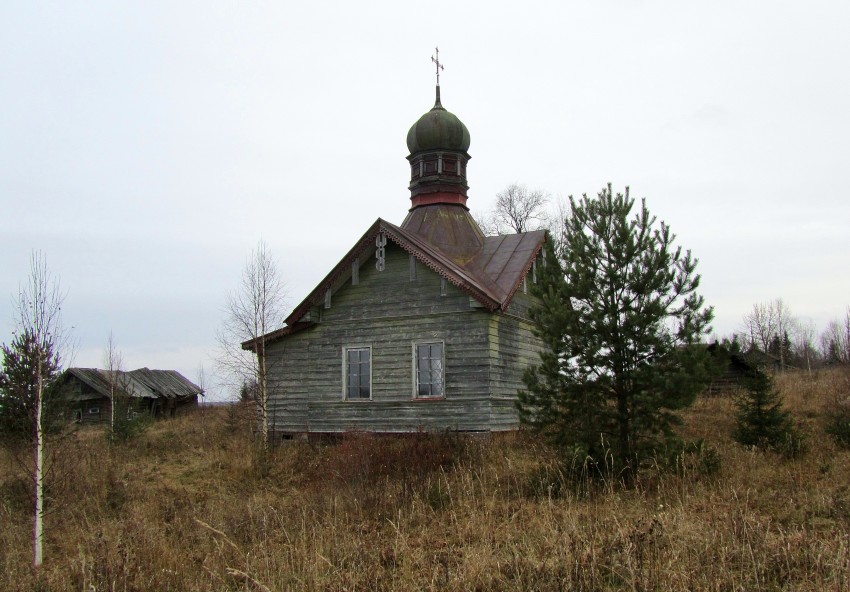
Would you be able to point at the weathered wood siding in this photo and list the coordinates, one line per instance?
(82, 400)
(388, 312)
(485, 355)
(513, 347)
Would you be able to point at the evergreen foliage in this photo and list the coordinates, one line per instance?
(761, 421)
(838, 421)
(129, 419)
(781, 348)
(620, 319)
(18, 388)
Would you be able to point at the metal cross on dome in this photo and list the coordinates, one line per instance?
(439, 65)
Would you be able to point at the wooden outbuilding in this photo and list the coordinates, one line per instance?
(89, 392)
(420, 326)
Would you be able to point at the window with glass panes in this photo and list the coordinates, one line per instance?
(429, 370)
(358, 373)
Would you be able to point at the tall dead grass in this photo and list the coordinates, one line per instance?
(194, 505)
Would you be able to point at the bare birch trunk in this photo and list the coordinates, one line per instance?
(252, 312)
(38, 531)
(39, 310)
(264, 399)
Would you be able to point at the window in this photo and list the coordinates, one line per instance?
(357, 362)
(94, 411)
(355, 272)
(412, 268)
(444, 287)
(429, 370)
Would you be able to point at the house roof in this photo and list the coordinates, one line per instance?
(166, 383)
(141, 383)
(491, 275)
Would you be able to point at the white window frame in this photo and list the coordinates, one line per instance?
(345, 393)
(415, 376)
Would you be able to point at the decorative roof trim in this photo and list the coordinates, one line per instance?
(428, 256)
(443, 267)
(424, 253)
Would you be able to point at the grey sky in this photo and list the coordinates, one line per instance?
(146, 147)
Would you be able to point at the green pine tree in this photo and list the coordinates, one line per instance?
(18, 384)
(761, 420)
(619, 316)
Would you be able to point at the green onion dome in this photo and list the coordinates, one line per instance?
(438, 130)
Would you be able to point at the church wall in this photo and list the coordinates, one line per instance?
(388, 312)
(513, 347)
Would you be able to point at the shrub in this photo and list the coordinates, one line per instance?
(794, 443)
(697, 458)
(761, 420)
(366, 457)
(547, 481)
(838, 421)
(129, 422)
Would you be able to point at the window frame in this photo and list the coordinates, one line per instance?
(345, 383)
(415, 373)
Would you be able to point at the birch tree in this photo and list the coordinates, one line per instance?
(760, 325)
(38, 311)
(252, 311)
(835, 340)
(804, 337)
(767, 322)
(114, 360)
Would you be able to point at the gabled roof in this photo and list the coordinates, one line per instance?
(141, 383)
(166, 383)
(94, 378)
(492, 276)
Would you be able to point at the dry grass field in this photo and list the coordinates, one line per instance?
(191, 505)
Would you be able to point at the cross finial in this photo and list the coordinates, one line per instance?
(440, 66)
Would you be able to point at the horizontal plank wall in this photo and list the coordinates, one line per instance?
(389, 312)
(513, 347)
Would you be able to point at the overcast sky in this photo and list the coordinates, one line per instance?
(145, 147)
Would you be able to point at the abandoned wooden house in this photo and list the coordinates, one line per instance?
(161, 393)
(422, 326)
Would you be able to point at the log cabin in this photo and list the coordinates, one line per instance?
(88, 392)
